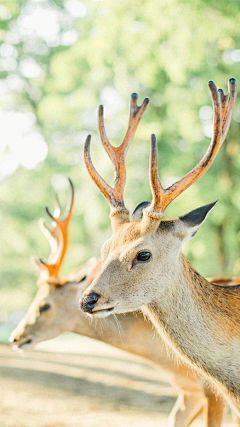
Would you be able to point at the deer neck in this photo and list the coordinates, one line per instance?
(196, 320)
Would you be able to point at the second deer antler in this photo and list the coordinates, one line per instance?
(57, 238)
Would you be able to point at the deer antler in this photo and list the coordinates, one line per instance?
(223, 108)
(51, 235)
(57, 238)
(114, 195)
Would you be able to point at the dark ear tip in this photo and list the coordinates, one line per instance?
(197, 216)
(213, 204)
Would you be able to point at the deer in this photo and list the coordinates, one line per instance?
(54, 311)
(143, 267)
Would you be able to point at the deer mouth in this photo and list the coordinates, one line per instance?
(102, 312)
(25, 344)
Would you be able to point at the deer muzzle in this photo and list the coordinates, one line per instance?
(89, 302)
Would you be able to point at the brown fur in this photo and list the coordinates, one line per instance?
(179, 302)
(162, 284)
(218, 300)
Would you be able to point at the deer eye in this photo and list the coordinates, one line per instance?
(144, 256)
(45, 307)
(82, 280)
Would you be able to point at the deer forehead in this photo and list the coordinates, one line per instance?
(125, 244)
(130, 236)
(127, 237)
(126, 234)
(43, 291)
(46, 292)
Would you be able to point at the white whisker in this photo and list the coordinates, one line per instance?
(107, 324)
(118, 326)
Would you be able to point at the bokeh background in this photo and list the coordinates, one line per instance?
(58, 61)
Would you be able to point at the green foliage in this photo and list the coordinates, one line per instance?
(167, 50)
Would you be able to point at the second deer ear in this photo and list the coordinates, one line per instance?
(138, 211)
(191, 222)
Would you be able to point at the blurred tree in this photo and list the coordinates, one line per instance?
(58, 61)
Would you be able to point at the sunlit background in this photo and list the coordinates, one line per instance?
(58, 61)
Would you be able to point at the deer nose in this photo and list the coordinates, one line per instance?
(12, 339)
(89, 302)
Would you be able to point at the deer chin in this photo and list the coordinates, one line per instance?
(26, 343)
(105, 312)
(116, 309)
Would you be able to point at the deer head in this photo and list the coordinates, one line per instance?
(51, 311)
(143, 255)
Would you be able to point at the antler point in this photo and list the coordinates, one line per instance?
(153, 139)
(49, 213)
(87, 142)
(232, 87)
(70, 182)
(212, 86)
(233, 81)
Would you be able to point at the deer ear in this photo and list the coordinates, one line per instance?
(194, 219)
(138, 211)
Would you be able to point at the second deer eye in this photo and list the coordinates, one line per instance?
(144, 256)
(45, 307)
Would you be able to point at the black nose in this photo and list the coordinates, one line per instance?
(88, 303)
(12, 340)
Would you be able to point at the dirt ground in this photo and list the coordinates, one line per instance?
(79, 382)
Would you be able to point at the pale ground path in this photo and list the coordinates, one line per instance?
(78, 382)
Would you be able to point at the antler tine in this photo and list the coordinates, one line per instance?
(58, 255)
(158, 191)
(228, 102)
(57, 206)
(114, 195)
(163, 197)
(105, 189)
(51, 235)
(136, 114)
(106, 144)
(61, 223)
